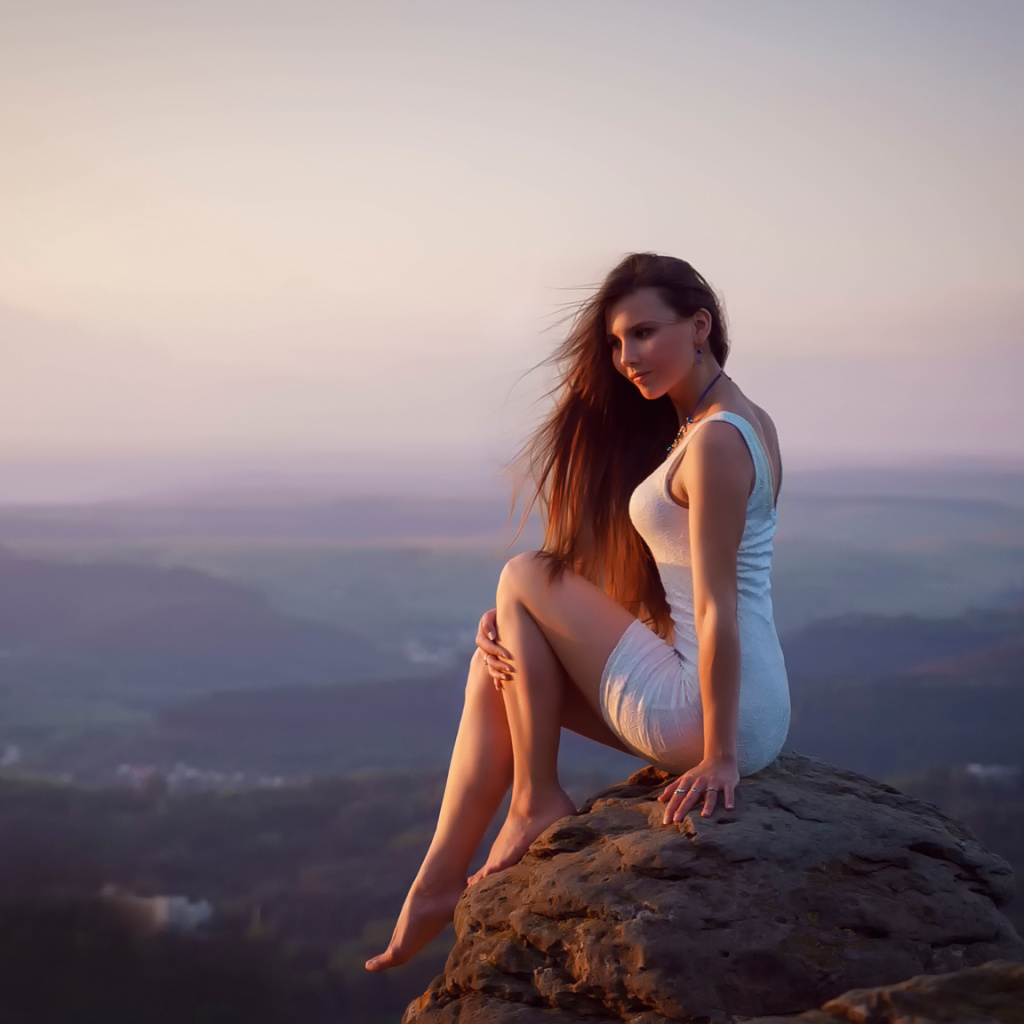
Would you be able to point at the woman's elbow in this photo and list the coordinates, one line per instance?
(716, 619)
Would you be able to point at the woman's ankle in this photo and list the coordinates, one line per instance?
(440, 878)
(538, 801)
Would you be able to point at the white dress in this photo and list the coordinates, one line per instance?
(650, 691)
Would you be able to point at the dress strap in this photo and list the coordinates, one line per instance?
(763, 484)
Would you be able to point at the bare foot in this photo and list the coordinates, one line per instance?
(427, 909)
(519, 831)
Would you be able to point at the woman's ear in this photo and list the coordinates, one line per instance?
(702, 325)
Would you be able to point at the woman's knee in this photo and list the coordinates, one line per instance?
(521, 574)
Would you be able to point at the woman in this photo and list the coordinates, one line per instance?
(662, 646)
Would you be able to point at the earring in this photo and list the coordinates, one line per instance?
(699, 360)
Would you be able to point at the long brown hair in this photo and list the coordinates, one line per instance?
(603, 438)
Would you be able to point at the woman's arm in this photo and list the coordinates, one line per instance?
(717, 474)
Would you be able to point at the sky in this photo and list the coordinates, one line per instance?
(261, 237)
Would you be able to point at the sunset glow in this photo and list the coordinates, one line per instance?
(240, 230)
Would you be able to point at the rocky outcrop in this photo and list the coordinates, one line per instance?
(820, 881)
(990, 994)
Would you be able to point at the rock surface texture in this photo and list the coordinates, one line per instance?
(819, 882)
(990, 994)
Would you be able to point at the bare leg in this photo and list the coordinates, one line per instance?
(530, 612)
(478, 779)
(534, 704)
(568, 631)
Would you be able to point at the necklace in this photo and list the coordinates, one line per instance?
(689, 418)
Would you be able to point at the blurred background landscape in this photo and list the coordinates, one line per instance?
(277, 284)
(249, 704)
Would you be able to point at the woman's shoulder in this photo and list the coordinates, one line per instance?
(720, 443)
(717, 456)
(753, 415)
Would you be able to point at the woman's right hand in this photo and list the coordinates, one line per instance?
(496, 658)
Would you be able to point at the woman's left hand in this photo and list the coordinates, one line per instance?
(713, 776)
(496, 658)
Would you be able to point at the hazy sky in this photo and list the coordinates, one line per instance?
(271, 230)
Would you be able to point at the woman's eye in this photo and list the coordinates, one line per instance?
(641, 332)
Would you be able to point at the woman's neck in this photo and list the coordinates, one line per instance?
(686, 396)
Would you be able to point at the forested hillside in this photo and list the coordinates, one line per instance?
(142, 637)
(305, 882)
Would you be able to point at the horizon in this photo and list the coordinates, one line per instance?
(313, 478)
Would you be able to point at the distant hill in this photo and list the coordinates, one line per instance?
(343, 520)
(145, 637)
(292, 730)
(894, 696)
(883, 696)
(413, 573)
(856, 647)
(305, 730)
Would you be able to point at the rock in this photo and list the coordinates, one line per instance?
(990, 994)
(820, 881)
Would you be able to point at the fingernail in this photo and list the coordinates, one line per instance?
(490, 636)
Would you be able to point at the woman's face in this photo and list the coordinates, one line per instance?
(650, 344)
